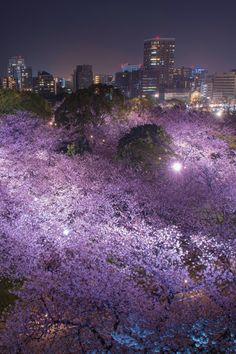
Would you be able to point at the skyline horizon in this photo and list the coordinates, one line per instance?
(97, 72)
(56, 37)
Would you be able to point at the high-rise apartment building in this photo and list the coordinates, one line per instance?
(158, 64)
(82, 77)
(19, 73)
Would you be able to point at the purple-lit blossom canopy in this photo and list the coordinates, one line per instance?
(107, 258)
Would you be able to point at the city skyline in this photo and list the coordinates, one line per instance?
(57, 38)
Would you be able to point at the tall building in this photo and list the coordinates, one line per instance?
(16, 67)
(82, 77)
(19, 73)
(220, 86)
(128, 81)
(45, 85)
(27, 79)
(105, 79)
(182, 78)
(158, 64)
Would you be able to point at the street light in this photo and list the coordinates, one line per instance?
(219, 113)
(66, 232)
(177, 166)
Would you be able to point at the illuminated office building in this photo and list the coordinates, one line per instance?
(158, 64)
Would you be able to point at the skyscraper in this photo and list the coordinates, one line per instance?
(19, 73)
(158, 64)
(27, 79)
(83, 77)
(16, 66)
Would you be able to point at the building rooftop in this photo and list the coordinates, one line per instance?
(157, 38)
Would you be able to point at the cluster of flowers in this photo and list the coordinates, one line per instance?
(108, 257)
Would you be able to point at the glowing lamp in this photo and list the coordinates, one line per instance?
(219, 113)
(66, 232)
(177, 166)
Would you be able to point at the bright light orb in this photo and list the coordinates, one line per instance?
(66, 232)
(219, 113)
(177, 166)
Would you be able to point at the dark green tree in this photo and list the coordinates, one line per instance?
(12, 101)
(89, 106)
(145, 145)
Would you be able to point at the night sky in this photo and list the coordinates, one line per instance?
(56, 35)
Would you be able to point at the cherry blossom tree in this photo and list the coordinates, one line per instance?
(112, 259)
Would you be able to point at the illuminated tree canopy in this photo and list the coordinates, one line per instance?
(99, 257)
